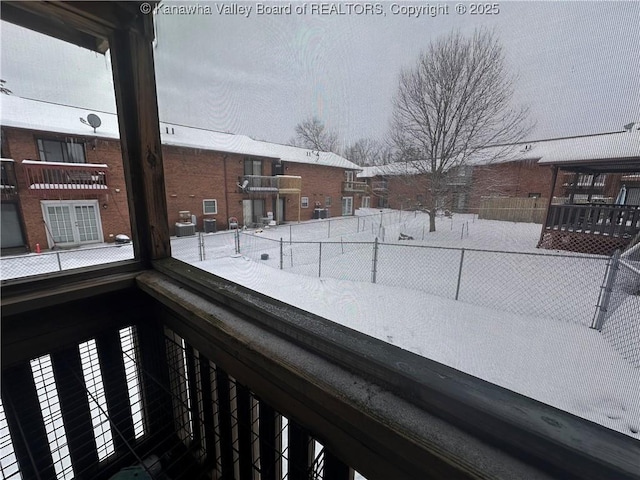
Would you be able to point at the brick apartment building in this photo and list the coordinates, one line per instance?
(63, 182)
(516, 174)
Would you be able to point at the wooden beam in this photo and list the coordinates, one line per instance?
(25, 422)
(299, 372)
(135, 88)
(76, 411)
(55, 328)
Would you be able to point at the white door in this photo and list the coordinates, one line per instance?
(247, 213)
(72, 223)
(366, 202)
(347, 206)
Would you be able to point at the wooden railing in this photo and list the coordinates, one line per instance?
(8, 182)
(354, 187)
(381, 186)
(48, 176)
(595, 219)
(282, 184)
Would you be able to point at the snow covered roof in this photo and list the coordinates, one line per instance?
(48, 117)
(608, 148)
(394, 169)
(613, 146)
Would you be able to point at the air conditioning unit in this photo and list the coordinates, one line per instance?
(209, 225)
(185, 229)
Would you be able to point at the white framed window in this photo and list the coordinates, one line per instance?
(327, 202)
(210, 207)
(366, 202)
(304, 202)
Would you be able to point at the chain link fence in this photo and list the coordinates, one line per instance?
(618, 316)
(58, 260)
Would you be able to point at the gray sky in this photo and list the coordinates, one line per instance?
(578, 65)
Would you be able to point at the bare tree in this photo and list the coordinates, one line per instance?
(313, 134)
(369, 152)
(454, 104)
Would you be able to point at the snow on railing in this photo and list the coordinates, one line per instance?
(44, 176)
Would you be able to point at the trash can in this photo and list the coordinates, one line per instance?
(209, 225)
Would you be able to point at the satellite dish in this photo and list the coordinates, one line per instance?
(94, 121)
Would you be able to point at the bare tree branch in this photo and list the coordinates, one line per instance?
(312, 134)
(453, 105)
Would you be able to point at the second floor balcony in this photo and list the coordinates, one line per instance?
(381, 186)
(278, 184)
(354, 187)
(43, 177)
(8, 182)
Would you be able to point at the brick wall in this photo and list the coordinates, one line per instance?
(318, 182)
(191, 175)
(114, 213)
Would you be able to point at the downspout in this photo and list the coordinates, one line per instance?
(224, 184)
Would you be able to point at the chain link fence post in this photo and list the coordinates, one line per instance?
(59, 262)
(320, 260)
(459, 273)
(605, 291)
(281, 255)
(328, 228)
(375, 261)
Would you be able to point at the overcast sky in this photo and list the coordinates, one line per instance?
(578, 65)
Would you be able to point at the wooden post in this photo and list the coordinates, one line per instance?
(270, 446)
(137, 106)
(114, 380)
(334, 468)
(24, 419)
(76, 411)
(299, 452)
(554, 177)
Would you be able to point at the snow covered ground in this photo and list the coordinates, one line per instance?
(521, 320)
(564, 365)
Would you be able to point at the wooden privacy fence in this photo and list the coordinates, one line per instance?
(513, 209)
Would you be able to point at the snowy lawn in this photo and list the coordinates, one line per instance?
(564, 365)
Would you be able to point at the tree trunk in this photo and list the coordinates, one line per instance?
(432, 213)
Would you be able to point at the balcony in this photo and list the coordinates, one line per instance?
(381, 187)
(584, 181)
(43, 177)
(354, 187)
(591, 228)
(8, 182)
(278, 184)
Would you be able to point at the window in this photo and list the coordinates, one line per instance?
(252, 166)
(366, 202)
(327, 202)
(348, 176)
(304, 202)
(210, 207)
(69, 151)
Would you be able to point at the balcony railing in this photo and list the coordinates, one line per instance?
(584, 181)
(358, 187)
(8, 182)
(595, 219)
(380, 186)
(55, 176)
(280, 184)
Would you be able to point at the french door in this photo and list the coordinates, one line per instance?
(347, 206)
(72, 223)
